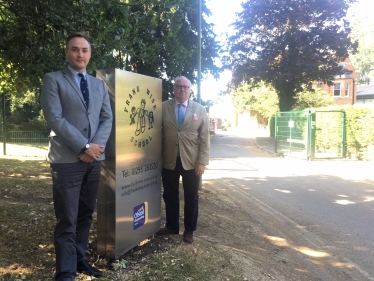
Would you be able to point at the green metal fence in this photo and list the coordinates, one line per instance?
(28, 141)
(21, 128)
(310, 134)
(291, 133)
(28, 134)
(25, 135)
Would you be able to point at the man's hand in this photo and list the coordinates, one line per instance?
(200, 169)
(91, 154)
(85, 158)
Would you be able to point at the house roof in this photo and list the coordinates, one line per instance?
(344, 76)
(348, 73)
(365, 92)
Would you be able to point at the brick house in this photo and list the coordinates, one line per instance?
(344, 86)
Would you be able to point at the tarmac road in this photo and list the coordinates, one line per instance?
(324, 210)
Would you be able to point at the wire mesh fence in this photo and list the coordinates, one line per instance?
(291, 133)
(26, 140)
(310, 134)
(31, 135)
(23, 130)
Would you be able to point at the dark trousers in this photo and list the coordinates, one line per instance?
(75, 187)
(170, 181)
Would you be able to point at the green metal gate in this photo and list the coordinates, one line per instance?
(291, 133)
(310, 134)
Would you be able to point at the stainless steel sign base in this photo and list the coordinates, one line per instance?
(129, 199)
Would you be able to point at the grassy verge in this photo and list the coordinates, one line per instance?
(27, 251)
(24, 150)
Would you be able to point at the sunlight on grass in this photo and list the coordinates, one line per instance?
(343, 265)
(281, 242)
(144, 242)
(312, 253)
(24, 150)
(301, 270)
(15, 268)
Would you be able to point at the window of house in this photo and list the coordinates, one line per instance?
(337, 90)
(347, 89)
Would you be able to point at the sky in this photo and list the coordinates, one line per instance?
(223, 14)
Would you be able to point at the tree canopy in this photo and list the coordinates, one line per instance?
(150, 37)
(258, 99)
(312, 99)
(362, 23)
(289, 44)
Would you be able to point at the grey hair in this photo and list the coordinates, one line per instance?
(182, 77)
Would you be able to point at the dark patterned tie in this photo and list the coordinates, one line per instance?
(84, 89)
(86, 96)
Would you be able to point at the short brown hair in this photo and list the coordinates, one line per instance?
(80, 34)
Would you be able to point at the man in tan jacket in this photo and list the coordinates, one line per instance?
(185, 152)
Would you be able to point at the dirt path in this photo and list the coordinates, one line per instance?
(261, 254)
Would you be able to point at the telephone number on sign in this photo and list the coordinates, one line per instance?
(144, 168)
(151, 166)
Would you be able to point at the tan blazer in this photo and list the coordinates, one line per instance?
(193, 136)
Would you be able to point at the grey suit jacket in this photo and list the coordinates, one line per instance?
(68, 117)
(193, 136)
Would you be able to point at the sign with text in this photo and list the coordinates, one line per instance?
(129, 199)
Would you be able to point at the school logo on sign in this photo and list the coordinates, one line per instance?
(140, 106)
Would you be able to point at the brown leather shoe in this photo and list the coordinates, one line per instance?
(166, 231)
(188, 237)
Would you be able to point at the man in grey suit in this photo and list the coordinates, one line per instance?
(77, 109)
(185, 152)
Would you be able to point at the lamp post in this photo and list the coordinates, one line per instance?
(199, 65)
(199, 51)
(4, 125)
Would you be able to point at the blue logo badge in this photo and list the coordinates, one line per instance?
(140, 215)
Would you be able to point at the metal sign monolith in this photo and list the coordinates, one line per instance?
(129, 198)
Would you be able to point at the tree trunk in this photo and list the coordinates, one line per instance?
(286, 94)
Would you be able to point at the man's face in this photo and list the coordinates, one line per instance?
(78, 53)
(182, 90)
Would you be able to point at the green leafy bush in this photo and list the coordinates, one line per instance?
(360, 133)
(312, 99)
(359, 125)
